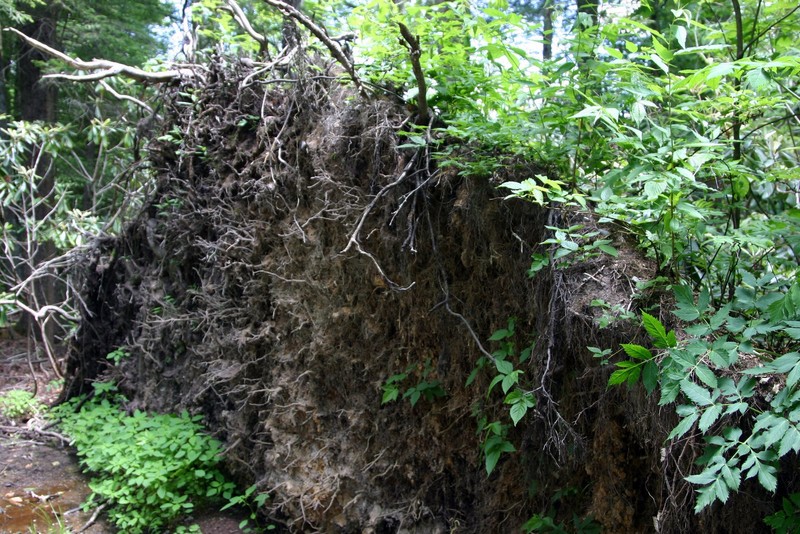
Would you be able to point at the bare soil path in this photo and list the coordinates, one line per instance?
(41, 486)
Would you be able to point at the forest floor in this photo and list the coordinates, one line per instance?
(41, 485)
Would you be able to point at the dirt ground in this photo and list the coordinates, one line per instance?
(41, 486)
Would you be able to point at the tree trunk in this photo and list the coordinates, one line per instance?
(36, 101)
(547, 30)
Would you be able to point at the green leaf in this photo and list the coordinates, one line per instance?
(680, 35)
(785, 363)
(793, 376)
(732, 477)
(389, 394)
(705, 496)
(707, 476)
(472, 376)
(662, 51)
(500, 334)
(709, 417)
(683, 296)
(509, 380)
(686, 314)
(683, 427)
(491, 461)
(706, 375)
(636, 351)
(766, 477)
(608, 249)
(650, 376)
(496, 380)
(656, 331)
(695, 393)
(504, 367)
(790, 441)
(518, 411)
(776, 433)
(719, 70)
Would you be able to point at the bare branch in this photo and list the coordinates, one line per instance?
(335, 48)
(100, 68)
(120, 96)
(241, 19)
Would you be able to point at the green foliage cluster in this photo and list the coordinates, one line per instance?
(151, 469)
(517, 398)
(19, 404)
(430, 390)
(746, 430)
(679, 128)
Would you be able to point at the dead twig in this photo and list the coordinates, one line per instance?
(332, 44)
(34, 431)
(129, 98)
(241, 19)
(92, 519)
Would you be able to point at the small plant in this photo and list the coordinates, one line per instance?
(547, 522)
(252, 503)
(745, 433)
(430, 390)
(611, 313)
(191, 529)
(48, 522)
(117, 355)
(150, 469)
(785, 521)
(519, 400)
(495, 443)
(18, 404)
(54, 385)
(571, 242)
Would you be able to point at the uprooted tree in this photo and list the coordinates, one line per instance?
(334, 278)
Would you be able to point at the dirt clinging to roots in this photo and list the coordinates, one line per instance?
(293, 257)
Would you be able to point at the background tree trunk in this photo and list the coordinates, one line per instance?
(37, 101)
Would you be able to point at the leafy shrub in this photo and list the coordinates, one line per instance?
(150, 469)
(19, 404)
(746, 431)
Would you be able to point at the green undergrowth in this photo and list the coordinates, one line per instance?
(19, 404)
(149, 470)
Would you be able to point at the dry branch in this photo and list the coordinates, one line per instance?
(100, 68)
(333, 45)
(240, 17)
(120, 96)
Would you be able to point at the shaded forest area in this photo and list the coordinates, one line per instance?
(411, 310)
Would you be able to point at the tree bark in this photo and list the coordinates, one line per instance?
(37, 101)
(547, 30)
